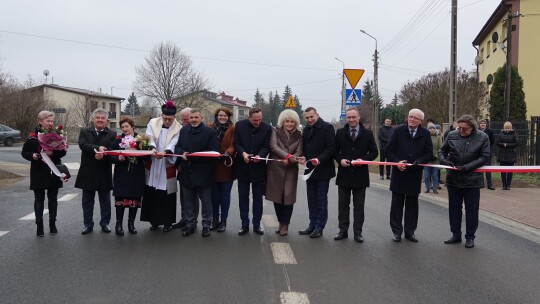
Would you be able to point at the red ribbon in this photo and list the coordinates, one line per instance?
(492, 169)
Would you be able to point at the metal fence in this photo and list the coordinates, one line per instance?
(528, 136)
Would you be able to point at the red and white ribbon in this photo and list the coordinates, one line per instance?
(492, 169)
(52, 166)
(139, 153)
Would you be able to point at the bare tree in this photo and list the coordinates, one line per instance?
(167, 73)
(78, 115)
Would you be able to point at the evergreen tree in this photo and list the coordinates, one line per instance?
(275, 108)
(518, 107)
(132, 108)
(395, 100)
(299, 110)
(286, 95)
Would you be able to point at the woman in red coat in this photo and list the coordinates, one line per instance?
(42, 180)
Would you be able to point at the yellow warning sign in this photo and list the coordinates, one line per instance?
(290, 103)
(353, 76)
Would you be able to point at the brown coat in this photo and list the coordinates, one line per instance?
(282, 180)
(223, 173)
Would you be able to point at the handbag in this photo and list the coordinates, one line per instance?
(63, 169)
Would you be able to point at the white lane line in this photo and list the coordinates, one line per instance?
(73, 166)
(294, 298)
(32, 216)
(270, 221)
(282, 253)
(68, 197)
(3, 232)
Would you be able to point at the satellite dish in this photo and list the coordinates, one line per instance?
(495, 37)
(478, 60)
(489, 79)
(46, 73)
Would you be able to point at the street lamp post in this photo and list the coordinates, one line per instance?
(342, 84)
(375, 122)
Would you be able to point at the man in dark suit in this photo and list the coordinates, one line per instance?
(95, 173)
(482, 126)
(353, 141)
(319, 147)
(409, 144)
(251, 142)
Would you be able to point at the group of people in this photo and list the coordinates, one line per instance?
(265, 161)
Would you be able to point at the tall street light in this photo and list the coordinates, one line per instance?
(342, 84)
(375, 122)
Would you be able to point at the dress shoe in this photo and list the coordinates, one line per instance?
(188, 231)
(341, 235)
(317, 233)
(397, 238)
(52, 228)
(106, 229)
(278, 231)
(258, 230)
(154, 227)
(284, 230)
(358, 237)
(180, 224)
(87, 230)
(307, 231)
(214, 225)
(40, 232)
(453, 240)
(388, 177)
(469, 243)
(412, 238)
(167, 228)
(206, 232)
(222, 226)
(435, 191)
(490, 187)
(243, 230)
(427, 191)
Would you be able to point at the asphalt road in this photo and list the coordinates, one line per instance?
(153, 266)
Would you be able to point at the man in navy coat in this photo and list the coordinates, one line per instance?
(251, 142)
(410, 143)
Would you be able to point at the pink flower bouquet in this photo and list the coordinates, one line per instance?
(52, 139)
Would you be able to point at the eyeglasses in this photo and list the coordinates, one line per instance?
(413, 117)
(167, 118)
(463, 129)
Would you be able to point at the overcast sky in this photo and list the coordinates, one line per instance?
(240, 45)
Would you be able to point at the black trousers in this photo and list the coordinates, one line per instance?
(382, 157)
(456, 198)
(410, 202)
(39, 204)
(344, 199)
(283, 213)
(506, 178)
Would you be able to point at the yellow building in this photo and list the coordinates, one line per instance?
(525, 42)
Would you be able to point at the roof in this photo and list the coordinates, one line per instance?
(497, 15)
(213, 97)
(78, 91)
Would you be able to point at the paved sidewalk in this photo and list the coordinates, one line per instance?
(517, 209)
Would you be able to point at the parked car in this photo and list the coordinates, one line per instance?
(8, 136)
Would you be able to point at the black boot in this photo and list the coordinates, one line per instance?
(118, 229)
(131, 220)
(52, 227)
(222, 225)
(40, 231)
(215, 224)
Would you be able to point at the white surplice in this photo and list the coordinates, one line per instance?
(157, 176)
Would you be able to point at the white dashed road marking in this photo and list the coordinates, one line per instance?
(68, 197)
(73, 166)
(294, 298)
(270, 221)
(3, 232)
(32, 216)
(282, 253)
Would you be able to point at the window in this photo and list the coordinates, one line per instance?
(112, 125)
(241, 112)
(112, 107)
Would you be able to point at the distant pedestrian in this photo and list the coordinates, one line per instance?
(466, 149)
(42, 180)
(431, 174)
(482, 126)
(385, 132)
(286, 145)
(508, 144)
(410, 143)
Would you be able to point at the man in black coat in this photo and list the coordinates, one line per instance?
(482, 124)
(95, 173)
(353, 141)
(385, 131)
(251, 142)
(319, 148)
(410, 143)
(196, 173)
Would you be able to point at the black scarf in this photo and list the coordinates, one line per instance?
(221, 128)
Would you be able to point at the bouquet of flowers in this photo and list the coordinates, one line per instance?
(52, 139)
(143, 142)
(127, 142)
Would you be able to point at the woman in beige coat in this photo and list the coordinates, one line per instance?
(286, 145)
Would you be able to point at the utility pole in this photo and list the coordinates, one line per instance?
(508, 83)
(375, 127)
(453, 67)
(342, 84)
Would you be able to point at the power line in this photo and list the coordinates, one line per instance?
(278, 87)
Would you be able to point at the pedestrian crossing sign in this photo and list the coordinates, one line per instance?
(290, 103)
(353, 97)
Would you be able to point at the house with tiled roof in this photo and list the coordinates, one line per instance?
(209, 101)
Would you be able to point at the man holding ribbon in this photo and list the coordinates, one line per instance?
(159, 199)
(319, 147)
(409, 144)
(196, 173)
(95, 173)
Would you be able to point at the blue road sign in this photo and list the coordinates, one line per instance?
(353, 97)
